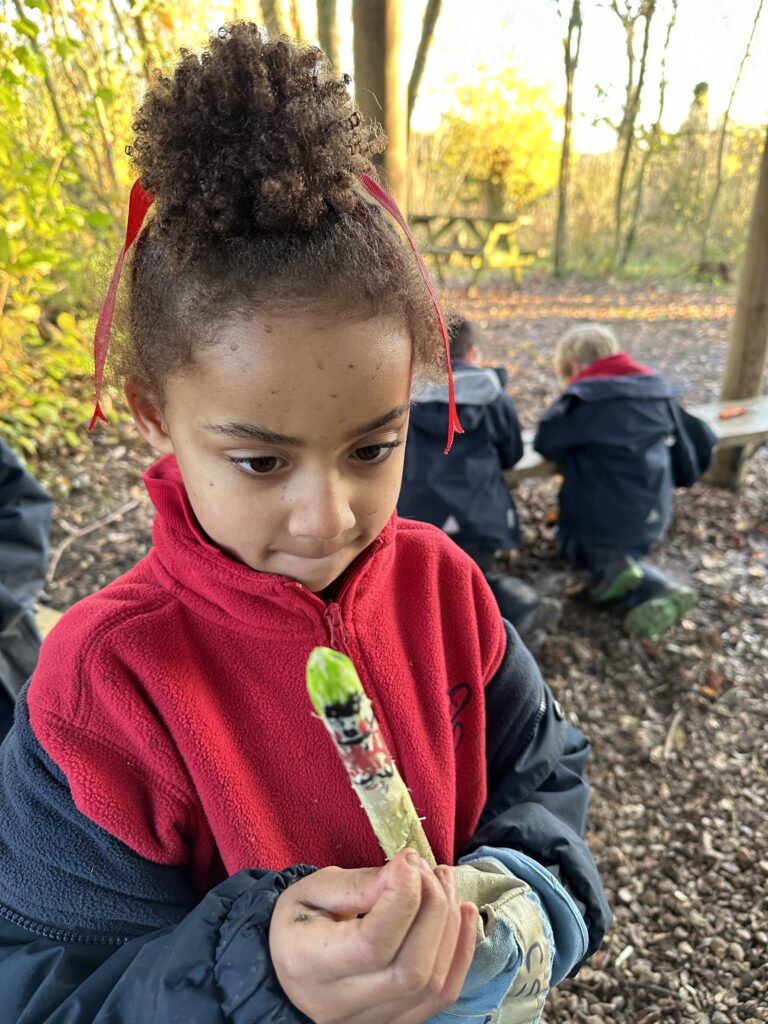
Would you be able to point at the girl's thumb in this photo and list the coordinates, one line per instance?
(348, 893)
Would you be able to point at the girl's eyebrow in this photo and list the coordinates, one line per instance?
(380, 421)
(254, 432)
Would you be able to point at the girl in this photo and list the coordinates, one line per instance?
(164, 767)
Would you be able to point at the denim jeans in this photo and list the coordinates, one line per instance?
(530, 936)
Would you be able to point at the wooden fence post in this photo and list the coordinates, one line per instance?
(749, 339)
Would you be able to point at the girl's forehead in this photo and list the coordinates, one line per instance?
(300, 377)
(313, 340)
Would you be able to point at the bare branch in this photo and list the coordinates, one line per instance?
(431, 14)
(721, 143)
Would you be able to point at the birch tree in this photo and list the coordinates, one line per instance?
(571, 49)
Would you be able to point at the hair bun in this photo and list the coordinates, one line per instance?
(248, 137)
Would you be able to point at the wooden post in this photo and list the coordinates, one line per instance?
(749, 339)
(380, 85)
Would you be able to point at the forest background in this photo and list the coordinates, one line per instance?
(608, 173)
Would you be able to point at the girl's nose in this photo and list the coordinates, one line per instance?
(321, 510)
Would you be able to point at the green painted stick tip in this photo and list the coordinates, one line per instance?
(331, 678)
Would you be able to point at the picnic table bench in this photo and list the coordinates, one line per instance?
(747, 430)
(484, 242)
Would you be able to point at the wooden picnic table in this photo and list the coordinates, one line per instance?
(750, 429)
(485, 242)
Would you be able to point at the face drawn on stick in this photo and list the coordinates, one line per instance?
(354, 728)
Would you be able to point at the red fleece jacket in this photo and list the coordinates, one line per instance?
(174, 700)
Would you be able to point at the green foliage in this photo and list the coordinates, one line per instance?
(496, 152)
(61, 192)
(46, 392)
(71, 74)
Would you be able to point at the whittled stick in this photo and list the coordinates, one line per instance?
(338, 696)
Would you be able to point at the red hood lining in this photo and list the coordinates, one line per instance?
(621, 364)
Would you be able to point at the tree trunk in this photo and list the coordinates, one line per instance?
(571, 57)
(646, 11)
(653, 145)
(328, 31)
(297, 29)
(274, 17)
(703, 253)
(749, 339)
(431, 14)
(380, 87)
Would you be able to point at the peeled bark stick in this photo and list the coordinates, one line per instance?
(338, 696)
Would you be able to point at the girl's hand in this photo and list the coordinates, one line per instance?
(401, 963)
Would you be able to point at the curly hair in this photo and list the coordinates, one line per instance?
(253, 151)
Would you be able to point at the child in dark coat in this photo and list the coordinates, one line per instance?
(624, 443)
(466, 495)
(25, 519)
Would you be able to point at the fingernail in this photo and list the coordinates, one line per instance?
(424, 866)
(412, 858)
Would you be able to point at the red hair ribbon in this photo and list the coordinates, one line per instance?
(138, 204)
(383, 198)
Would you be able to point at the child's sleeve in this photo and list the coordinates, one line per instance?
(507, 434)
(559, 429)
(537, 790)
(92, 932)
(25, 519)
(694, 442)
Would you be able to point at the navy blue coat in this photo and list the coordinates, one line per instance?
(91, 933)
(614, 438)
(464, 492)
(25, 519)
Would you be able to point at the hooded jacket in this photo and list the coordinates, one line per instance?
(25, 519)
(165, 767)
(611, 430)
(464, 492)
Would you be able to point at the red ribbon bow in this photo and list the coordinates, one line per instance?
(138, 204)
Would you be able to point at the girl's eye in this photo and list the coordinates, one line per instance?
(261, 465)
(373, 453)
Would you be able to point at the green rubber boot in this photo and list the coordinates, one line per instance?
(618, 586)
(652, 618)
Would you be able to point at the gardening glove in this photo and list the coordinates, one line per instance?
(530, 936)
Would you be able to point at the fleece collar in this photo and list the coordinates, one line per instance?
(621, 364)
(222, 588)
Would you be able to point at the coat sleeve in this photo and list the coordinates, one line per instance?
(91, 933)
(508, 436)
(537, 790)
(25, 519)
(694, 443)
(565, 425)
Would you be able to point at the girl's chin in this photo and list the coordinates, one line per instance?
(316, 574)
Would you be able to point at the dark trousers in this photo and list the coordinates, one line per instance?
(516, 600)
(19, 647)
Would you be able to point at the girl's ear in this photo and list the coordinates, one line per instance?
(148, 417)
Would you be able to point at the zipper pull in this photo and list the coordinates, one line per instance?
(338, 633)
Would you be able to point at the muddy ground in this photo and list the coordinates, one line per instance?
(679, 819)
